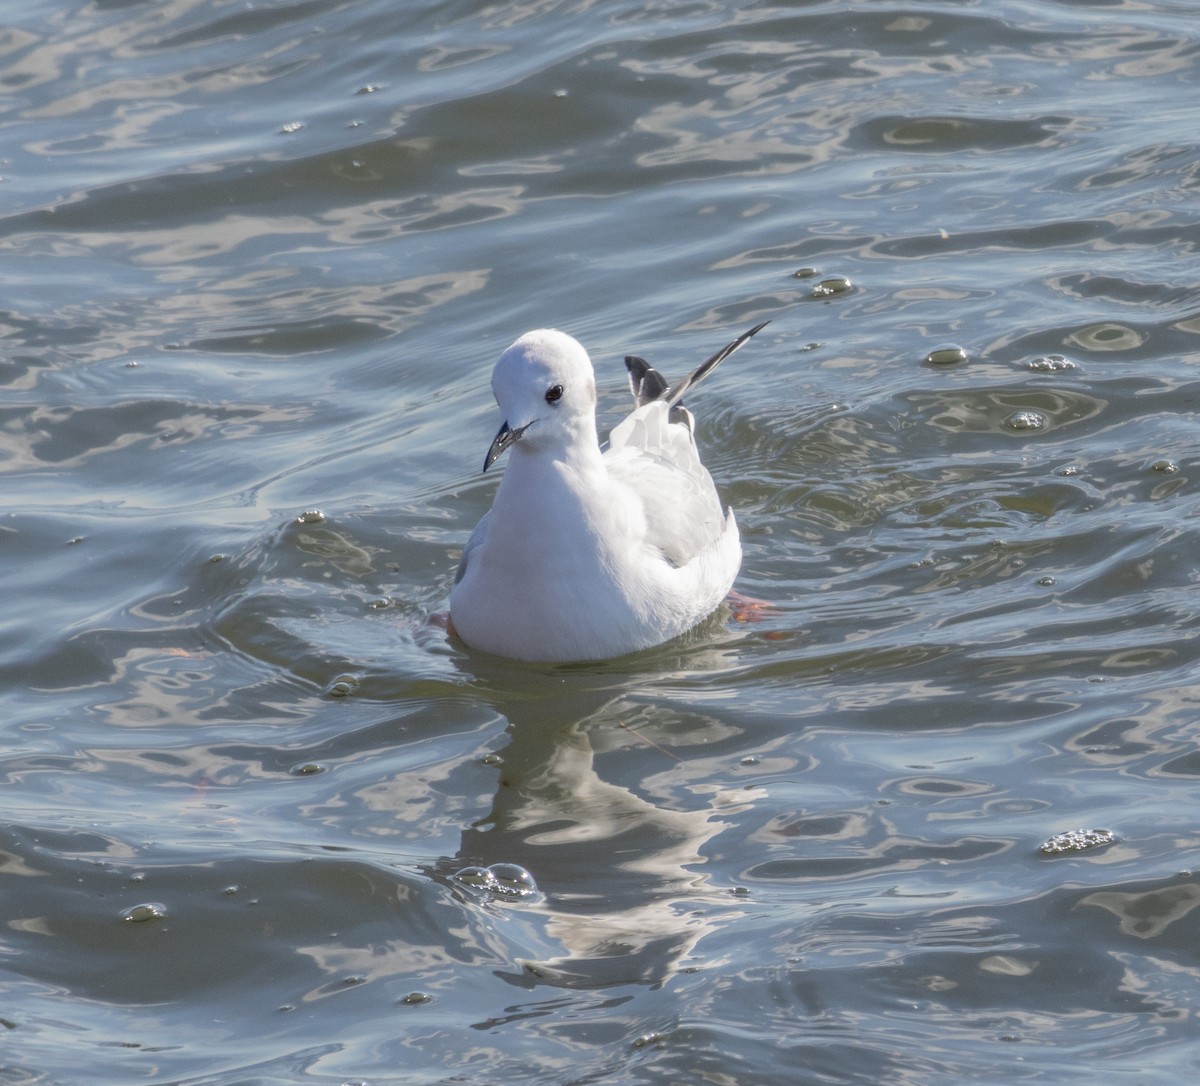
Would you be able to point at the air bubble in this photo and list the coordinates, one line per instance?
(1025, 420)
(499, 880)
(1076, 841)
(343, 686)
(512, 880)
(140, 914)
(948, 354)
(1051, 363)
(831, 286)
(307, 769)
(475, 876)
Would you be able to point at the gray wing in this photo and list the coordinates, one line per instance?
(647, 384)
(478, 538)
(709, 364)
(654, 454)
(657, 460)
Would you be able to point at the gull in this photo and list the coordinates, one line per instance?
(592, 552)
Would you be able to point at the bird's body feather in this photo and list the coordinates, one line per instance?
(589, 554)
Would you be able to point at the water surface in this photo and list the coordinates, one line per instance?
(257, 262)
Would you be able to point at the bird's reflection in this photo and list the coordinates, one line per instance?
(625, 894)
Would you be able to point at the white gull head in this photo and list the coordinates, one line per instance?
(546, 390)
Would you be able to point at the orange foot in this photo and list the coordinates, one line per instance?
(749, 609)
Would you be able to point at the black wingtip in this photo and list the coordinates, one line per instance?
(645, 382)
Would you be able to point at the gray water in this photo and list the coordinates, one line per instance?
(256, 263)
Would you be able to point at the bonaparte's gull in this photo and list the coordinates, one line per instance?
(590, 553)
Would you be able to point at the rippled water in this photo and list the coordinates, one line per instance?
(263, 824)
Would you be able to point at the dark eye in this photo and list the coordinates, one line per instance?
(554, 393)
